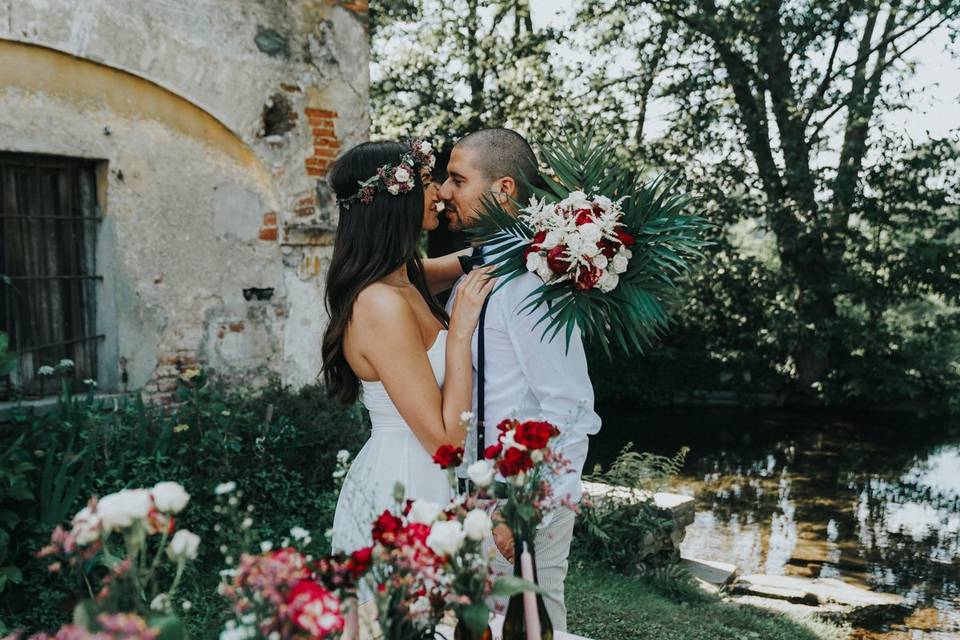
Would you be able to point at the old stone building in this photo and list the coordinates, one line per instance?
(162, 195)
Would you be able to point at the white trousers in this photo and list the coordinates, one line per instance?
(552, 547)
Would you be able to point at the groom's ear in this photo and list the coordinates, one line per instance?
(506, 186)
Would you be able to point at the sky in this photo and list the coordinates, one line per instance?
(936, 111)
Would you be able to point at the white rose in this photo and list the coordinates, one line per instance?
(552, 239)
(401, 175)
(577, 200)
(170, 497)
(394, 189)
(85, 526)
(446, 537)
(477, 525)
(590, 233)
(545, 272)
(600, 261)
(120, 510)
(608, 282)
(626, 253)
(590, 250)
(184, 545)
(425, 147)
(424, 512)
(537, 456)
(534, 261)
(618, 264)
(481, 473)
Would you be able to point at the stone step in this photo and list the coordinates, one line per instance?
(712, 576)
(681, 508)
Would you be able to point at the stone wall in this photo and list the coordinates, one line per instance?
(213, 123)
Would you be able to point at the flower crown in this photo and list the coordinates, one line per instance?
(394, 179)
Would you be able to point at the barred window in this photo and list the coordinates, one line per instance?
(49, 219)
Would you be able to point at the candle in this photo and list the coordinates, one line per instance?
(530, 616)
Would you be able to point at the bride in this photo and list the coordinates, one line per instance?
(389, 341)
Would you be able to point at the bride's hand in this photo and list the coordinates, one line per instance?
(471, 293)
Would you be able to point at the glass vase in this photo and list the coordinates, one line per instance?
(514, 624)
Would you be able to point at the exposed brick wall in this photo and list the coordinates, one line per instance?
(163, 382)
(268, 231)
(326, 146)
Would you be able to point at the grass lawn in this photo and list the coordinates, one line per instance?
(607, 606)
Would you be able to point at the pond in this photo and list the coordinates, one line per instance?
(870, 499)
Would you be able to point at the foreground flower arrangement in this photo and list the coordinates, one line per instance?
(425, 559)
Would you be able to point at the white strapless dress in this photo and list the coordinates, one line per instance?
(391, 455)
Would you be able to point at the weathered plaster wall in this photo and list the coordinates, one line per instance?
(216, 120)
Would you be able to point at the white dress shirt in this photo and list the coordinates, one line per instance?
(532, 379)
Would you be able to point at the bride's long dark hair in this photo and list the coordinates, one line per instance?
(373, 240)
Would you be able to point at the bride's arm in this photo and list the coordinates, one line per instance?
(441, 273)
(392, 344)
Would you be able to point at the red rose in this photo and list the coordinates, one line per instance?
(539, 237)
(360, 561)
(625, 237)
(534, 434)
(587, 278)
(514, 461)
(492, 451)
(584, 216)
(385, 528)
(556, 261)
(448, 456)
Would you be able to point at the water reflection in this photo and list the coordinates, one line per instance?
(873, 501)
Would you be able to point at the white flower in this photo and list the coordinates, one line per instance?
(535, 261)
(446, 537)
(545, 272)
(590, 233)
(603, 202)
(247, 523)
(619, 263)
(466, 417)
(477, 525)
(481, 473)
(299, 533)
(554, 237)
(401, 175)
(45, 370)
(65, 364)
(425, 147)
(266, 546)
(225, 487)
(574, 242)
(608, 281)
(184, 545)
(394, 189)
(537, 454)
(424, 512)
(342, 456)
(577, 200)
(160, 603)
(519, 479)
(85, 526)
(600, 261)
(120, 510)
(187, 605)
(90, 382)
(170, 497)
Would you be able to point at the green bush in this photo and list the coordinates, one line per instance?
(279, 446)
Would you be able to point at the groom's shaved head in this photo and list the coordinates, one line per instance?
(500, 152)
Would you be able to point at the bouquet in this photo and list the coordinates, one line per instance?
(607, 245)
(129, 602)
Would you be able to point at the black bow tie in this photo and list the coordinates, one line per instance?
(471, 262)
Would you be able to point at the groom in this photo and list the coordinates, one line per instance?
(525, 378)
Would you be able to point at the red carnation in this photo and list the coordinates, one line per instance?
(514, 461)
(556, 261)
(535, 434)
(584, 216)
(415, 532)
(448, 456)
(492, 451)
(385, 528)
(587, 278)
(625, 237)
(360, 561)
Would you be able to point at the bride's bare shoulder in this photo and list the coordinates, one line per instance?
(379, 302)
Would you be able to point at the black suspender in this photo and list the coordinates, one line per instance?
(481, 423)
